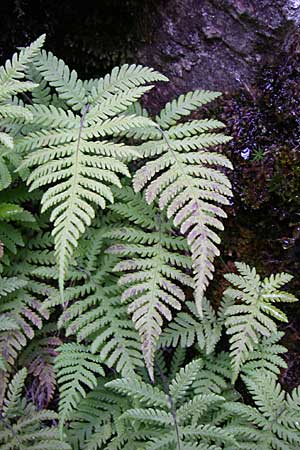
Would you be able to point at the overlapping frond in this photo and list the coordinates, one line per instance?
(155, 269)
(184, 177)
(11, 83)
(21, 313)
(24, 428)
(172, 419)
(189, 328)
(67, 153)
(274, 422)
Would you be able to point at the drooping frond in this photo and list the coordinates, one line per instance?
(253, 316)
(186, 180)
(154, 267)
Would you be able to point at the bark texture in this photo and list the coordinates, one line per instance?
(216, 44)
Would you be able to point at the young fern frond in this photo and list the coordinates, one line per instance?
(182, 177)
(72, 151)
(253, 316)
(155, 269)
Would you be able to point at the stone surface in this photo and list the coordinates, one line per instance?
(215, 44)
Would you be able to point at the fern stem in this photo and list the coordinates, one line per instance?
(193, 196)
(172, 407)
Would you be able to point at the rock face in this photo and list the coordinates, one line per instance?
(216, 44)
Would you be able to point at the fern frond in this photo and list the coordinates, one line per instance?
(188, 328)
(253, 316)
(65, 81)
(123, 78)
(76, 368)
(23, 428)
(171, 420)
(154, 271)
(11, 402)
(183, 106)
(65, 154)
(186, 184)
(276, 416)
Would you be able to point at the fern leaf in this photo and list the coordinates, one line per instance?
(253, 317)
(76, 368)
(183, 106)
(15, 69)
(188, 328)
(184, 183)
(154, 271)
(65, 81)
(123, 79)
(11, 403)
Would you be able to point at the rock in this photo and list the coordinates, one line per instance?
(215, 44)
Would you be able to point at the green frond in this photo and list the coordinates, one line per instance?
(9, 285)
(183, 106)
(186, 184)
(14, 391)
(275, 417)
(59, 76)
(267, 354)
(23, 428)
(122, 78)
(154, 273)
(79, 171)
(145, 393)
(76, 368)
(15, 68)
(252, 317)
(95, 420)
(188, 328)
(184, 379)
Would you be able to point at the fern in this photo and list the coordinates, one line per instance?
(154, 266)
(253, 317)
(11, 75)
(171, 419)
(76, 369)
(133, 263)
(23, 428)
(274, 423)
(188, 328)
(65, 154)
(182, 178)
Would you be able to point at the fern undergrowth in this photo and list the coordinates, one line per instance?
(110, 224)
